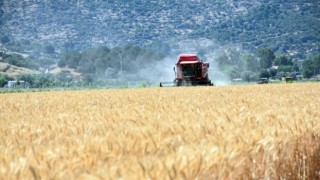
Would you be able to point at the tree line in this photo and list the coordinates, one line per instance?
(266, 64)
(99, 64)
(104, 62)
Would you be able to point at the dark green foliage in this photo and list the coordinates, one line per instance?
(4, 80)
(230, 57)
(87, 68)
(88, 78)
(295, 68)
(62, 63)
(27, 78)
(275, 26)
(283, 60)
(308, 69)
(43, 80)
(222, 59)
(267, 57)
(249, 76)
(99, 61)
(285, 26)
(316, 60)
(264, 73)
(311, 66)
(246, 76)
(49, 49)
(236, 58)
(72, 59)
(251, 63)
(237, 64)
(273, 72)
(284, 68)
(19, 60)
(46, 62)
(282, 26)
(232, 71)
(15, 59)
(46, 80)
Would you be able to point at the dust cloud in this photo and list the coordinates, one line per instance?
(207, 50)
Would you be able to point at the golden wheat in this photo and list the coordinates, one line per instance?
(231, 132)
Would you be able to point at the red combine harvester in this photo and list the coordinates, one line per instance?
(190, 71)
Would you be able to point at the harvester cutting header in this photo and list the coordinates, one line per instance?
(190, 71)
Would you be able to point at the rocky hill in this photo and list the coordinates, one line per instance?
(289, 27)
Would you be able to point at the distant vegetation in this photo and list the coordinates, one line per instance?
(106, 62)
(291, 28)
(100, 64)
(287, 27)
(96, 65)
(19, 60)
(311, 66)
(266, 64)
(276, 38)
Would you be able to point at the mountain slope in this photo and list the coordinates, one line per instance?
(11, 70)
(286, 26)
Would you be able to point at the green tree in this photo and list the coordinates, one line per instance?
(267, 57)
(87, 68)
(72, 59)
(264, 73)
(232, 71)
(3, 80)
(49, 49)
(15, 59)
(62, 63)
(43, 80)
(88, 79)
(308, 69)
(273, 73)
(235, 58)
(311, 66)
(222, 59)
(101, 65)
(285, 69)
(283, 60)
(295, 68)
(27, 78)
(316, 60)
(250, 63)
(246, 76)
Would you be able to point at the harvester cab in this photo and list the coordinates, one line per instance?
(190, 71)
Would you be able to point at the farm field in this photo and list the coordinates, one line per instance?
(228, 132)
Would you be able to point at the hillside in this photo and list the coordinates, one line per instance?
(290, 27)
(11, 70)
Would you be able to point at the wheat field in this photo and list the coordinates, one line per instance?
(229, 132)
